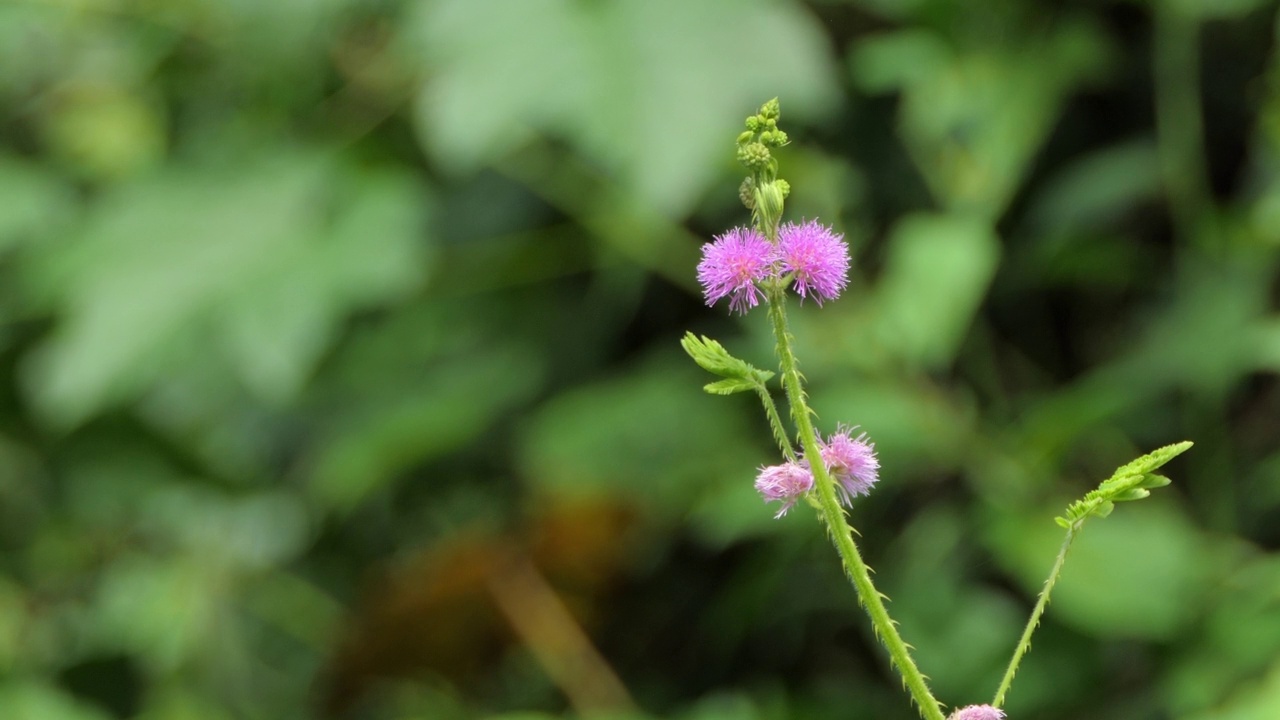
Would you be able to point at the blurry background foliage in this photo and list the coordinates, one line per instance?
(341, 374)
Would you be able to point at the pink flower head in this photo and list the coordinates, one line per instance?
(733, 264)
(785, 483)
(852, 463)
(977, 712)
(816, 257)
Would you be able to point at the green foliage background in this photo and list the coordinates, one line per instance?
(317, 317)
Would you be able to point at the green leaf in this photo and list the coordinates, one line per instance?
(1153, 460)
(1136, 493)
(1152, 481)
(712, 357)
(1129, 482)
(730, 386)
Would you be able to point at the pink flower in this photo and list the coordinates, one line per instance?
(977, 712)
(733, 264)
(852, 463)
(784, 483)
(816, 257)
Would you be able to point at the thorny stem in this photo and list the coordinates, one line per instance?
(775, 422)
(838, 526)
(1025, 643)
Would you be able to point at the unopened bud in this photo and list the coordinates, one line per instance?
(754, 155)
(769, 203)
(747, 193)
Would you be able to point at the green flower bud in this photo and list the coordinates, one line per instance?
(754, 155)
(753, 123)
(773, 138)
(771, 109)
(769, 202)
(747, 193)
(784, 186)
(745, 137)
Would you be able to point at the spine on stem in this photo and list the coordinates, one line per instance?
(838, 526)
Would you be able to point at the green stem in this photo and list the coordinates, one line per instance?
(838, 525)
(1025, 643)
(775, 422)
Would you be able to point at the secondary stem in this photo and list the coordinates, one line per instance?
(775, 422)
(838, 525)
(1025, 643)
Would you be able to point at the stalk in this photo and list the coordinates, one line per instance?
(1033, 622)
(838, 525)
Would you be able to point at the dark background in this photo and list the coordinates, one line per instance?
(339, 356)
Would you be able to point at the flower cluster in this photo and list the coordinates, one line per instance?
(977, 712)
(785, 483)
(733, 264)
(811, 256)
(851, 462)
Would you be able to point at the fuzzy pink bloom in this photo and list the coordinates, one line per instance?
(733, 264)
(817, 258)
(784, 483)
(852, 463)
(977, 712)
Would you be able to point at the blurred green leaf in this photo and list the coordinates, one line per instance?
(33, 202)
(959, 631)
(934, 280)
(14, 620)
(39, 701)
(646, 86)
(722, 707)
(166, 611)
(973, 119)
(1141, 574)
(244, 254)
(1095, 189)
(1213, 9)
(106, 133)
(175, 703)
(668, 444)
(1258, 701)
(418, 418)
(914, 426)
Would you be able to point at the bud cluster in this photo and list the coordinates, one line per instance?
(765, 195)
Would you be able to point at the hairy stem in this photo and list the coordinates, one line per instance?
(1034, 621)
(775, 422)
(838, 524)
